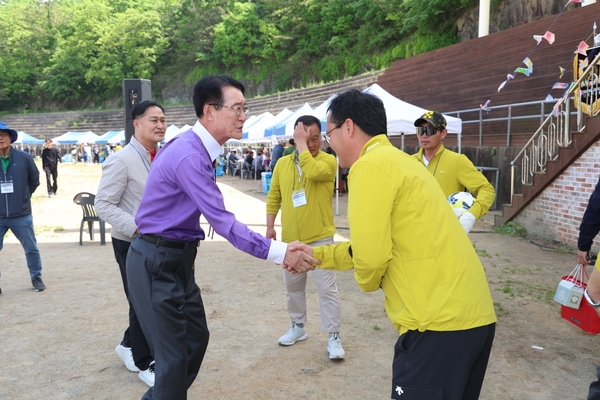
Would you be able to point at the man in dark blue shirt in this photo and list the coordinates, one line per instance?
(19, 177)
(277, 153)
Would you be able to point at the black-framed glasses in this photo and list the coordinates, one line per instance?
(426, 130)
(237, 109)
(328, 133)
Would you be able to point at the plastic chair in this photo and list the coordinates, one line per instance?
(86, 201)
(247, 170)
(232, 168)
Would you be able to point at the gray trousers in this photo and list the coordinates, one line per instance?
(329, 297)
(167, 302)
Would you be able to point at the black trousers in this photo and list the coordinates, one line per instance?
(434, 365)
(167, 301)
(594, 393)
(51, 173)
(133, 336)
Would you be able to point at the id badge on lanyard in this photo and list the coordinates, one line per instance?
(7, 187)
(299, 198)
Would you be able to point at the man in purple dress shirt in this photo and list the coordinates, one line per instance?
(160, 262)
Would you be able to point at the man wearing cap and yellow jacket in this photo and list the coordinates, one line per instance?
(454, 172)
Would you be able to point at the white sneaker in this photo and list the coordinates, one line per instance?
(293, 335)
(126, 355)
(334, 347)
(147, 376)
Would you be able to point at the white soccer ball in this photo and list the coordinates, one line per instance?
(461, 202)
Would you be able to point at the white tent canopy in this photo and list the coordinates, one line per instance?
(261, 132)
(250, 120)
(401, 116)
(321, 113)
(76, 138)
(118, 138)
(171, 133)
(256, 130)
(286, 126)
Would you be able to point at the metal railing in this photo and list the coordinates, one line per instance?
(555, 130)
(526, 114)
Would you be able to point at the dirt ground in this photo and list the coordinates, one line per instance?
(59, 344)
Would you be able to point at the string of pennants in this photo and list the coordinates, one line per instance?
(528, 69)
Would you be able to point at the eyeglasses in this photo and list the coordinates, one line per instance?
(328, 133)
(427, 130)
(237, 109)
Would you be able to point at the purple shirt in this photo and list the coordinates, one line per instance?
(181, 187)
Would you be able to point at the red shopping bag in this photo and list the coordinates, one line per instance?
(584, 317)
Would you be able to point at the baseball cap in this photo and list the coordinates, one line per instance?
(13, 134)
(432, 118)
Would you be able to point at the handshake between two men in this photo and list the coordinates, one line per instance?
(299, 258)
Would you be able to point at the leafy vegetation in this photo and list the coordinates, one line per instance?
(75, 53)
(511, 229)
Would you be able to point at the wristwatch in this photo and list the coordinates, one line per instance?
(589, 299)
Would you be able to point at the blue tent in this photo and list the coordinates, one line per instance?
(24, 138)
(106, 137)
(76, 138)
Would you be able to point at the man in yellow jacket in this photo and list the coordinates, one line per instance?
(302, 185)
(406, 240)
(454, 172)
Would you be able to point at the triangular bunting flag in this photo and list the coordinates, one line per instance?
(582, 48)
(523, 71)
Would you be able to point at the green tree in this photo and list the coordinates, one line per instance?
(87, 22)
(26, 44)
(129, 50)
(245, 42)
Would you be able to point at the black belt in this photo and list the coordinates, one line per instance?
(170, 243)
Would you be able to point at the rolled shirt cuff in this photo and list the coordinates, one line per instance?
(277, 251)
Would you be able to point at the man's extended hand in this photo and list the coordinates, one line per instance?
(298, 258)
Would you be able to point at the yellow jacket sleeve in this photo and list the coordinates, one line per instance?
(319, 168)
(471, 178)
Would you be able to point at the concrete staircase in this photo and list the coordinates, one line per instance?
(49, 125)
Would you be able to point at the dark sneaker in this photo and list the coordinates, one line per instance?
(38, 285)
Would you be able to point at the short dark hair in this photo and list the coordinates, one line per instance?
(291, 141)
(307, 120)
(140, 108)
(364, 109)
(209, 90)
